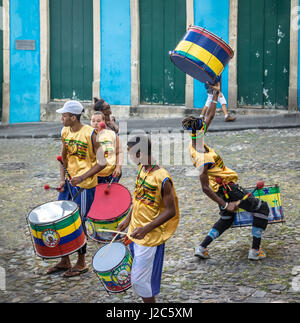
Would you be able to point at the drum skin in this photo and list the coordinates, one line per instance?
(112, 264)
(107, 211)
(60, 237)
(202, 55)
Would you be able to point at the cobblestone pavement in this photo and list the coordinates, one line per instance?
(270, 155)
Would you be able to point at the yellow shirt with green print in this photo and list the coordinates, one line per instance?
(216, 167)
(80, 153)
(148, 204)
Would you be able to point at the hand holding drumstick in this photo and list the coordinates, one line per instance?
(233, 206)
(123, 226)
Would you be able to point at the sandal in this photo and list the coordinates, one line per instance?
(72, 272)
(56, 269)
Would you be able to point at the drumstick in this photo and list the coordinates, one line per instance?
(259, 186)
(110, 244)
(48, 187)
(106, 191)
(102, 125)
(126, 239)
(59, 158)
(112, 231)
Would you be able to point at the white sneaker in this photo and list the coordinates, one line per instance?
(201, 252)
(256, 254)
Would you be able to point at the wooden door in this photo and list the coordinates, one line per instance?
(71, 49)
(263, 53)
(162, 26)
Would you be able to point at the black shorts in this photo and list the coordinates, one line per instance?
(251, 204)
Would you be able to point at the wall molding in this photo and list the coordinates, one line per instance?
(45, 52)
(294, 63)
(232, 67)
(97, 47)
(135, 53)
(189, 84)
(6, 63)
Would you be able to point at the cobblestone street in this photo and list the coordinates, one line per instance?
(269, 155)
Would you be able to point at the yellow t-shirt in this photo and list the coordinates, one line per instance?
(216, 167)
(108, 139)
(148, 205)
(80, 154)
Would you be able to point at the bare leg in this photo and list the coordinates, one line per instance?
(64, 264)
(227, 116)
(80, 262)
(224, 109)
(204, 110)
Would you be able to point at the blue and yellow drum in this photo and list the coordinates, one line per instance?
(202, 55)
(112, 264)
(269, 194)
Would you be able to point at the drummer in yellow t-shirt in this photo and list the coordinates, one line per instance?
(153, 221)
(112, 147)
(219, 183)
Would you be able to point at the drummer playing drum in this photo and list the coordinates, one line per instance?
(153, 220)
(219, 183)
(79, 149)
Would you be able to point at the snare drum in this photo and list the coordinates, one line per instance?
(202, 55)
(269, 194)
(112, 264)
(107, 211)
(56, 228)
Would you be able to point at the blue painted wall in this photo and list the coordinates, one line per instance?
(214, 16)
(24, 64)
(115, 82)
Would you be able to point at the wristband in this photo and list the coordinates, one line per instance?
(213, 101)
(225, 207)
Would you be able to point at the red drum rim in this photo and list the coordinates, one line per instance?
(52, 256)
(214, 37)
(105, 206)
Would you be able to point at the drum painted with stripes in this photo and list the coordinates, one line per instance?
(108, 211)
(112, 264)
(202, 55)
(56, 229)
(269, 194)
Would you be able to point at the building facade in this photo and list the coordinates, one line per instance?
(54, 50)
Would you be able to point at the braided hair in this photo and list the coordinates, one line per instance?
(192, 124)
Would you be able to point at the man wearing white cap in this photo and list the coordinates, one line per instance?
(79, 149)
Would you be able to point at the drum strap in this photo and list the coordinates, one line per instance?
(79, 192)
(69, 188)
(138, 177)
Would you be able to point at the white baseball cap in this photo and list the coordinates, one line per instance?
(73, 107)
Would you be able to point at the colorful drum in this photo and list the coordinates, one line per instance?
(112, 264)
(202, 55)
(107, 211)
(56, 228)
(271, 195)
